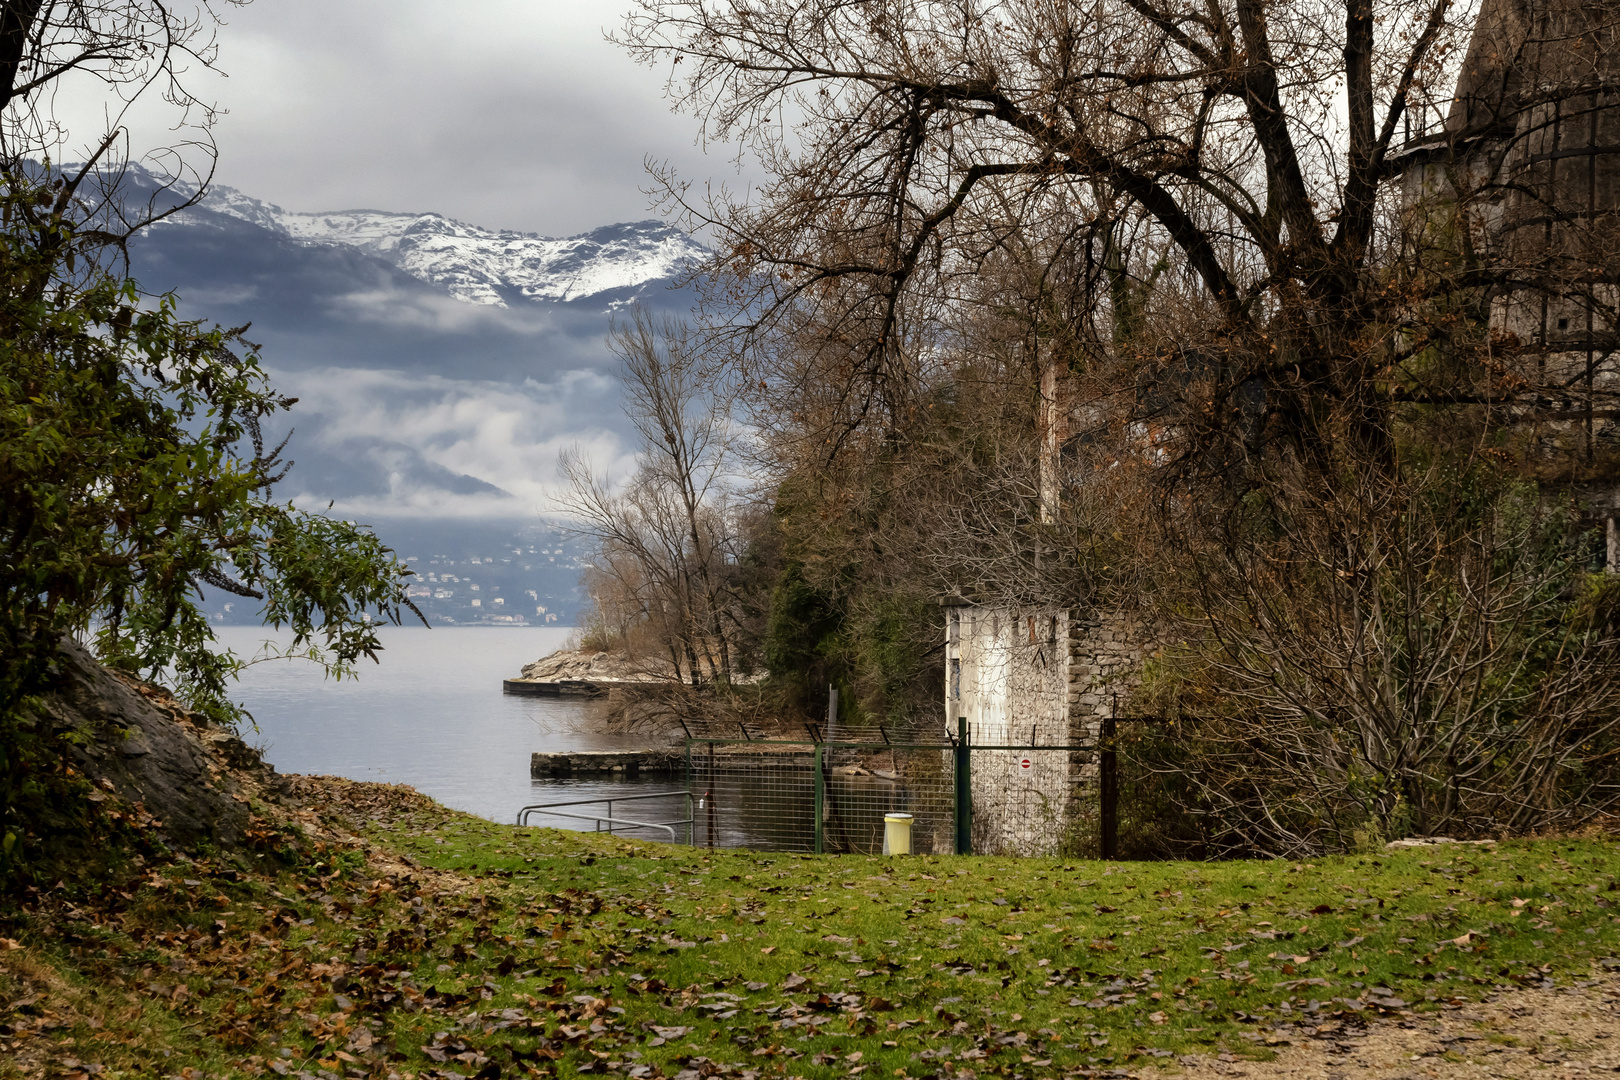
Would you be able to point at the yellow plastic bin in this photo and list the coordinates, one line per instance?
(897, 834)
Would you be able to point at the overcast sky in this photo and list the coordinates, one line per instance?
(504, 113)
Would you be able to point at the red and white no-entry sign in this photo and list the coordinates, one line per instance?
(1025, 763)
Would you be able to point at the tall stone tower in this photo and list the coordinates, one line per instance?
(1530, 155)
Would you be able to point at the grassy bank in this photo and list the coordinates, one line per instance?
(443, 944)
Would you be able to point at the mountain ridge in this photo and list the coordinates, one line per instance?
(479, 265)
(437, 384)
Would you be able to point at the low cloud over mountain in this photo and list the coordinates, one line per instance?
(440, 367)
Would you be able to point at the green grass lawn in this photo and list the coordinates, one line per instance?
(760, 957)
(554, 953)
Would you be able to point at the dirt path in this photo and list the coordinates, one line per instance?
(1569, 1031)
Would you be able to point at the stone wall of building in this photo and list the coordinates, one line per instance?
(1007, 676)
(1032, 677)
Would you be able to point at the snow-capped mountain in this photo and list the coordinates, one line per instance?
(440, 368)
(479, 265)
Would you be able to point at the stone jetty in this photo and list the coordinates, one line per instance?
(596, 762)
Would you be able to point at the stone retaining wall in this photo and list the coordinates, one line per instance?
(626, 762)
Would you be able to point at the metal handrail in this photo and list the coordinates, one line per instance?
(872, 745)
(549, 809)
(612, 821)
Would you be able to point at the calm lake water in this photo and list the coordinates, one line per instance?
(431, 715)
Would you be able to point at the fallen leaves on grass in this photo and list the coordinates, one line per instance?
(608, 957)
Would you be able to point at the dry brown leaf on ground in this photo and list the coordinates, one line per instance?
(1567, 1031)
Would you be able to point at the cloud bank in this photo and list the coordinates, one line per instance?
(397, 443)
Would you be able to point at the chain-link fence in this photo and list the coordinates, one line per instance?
(826, 796)
(820, 797)
(831, 796)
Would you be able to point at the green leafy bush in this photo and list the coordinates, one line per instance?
(133, 478)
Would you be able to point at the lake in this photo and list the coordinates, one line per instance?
(432, 715)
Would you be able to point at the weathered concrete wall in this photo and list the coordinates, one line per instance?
(1014, 672)
(1014, 689)
(1024, 676)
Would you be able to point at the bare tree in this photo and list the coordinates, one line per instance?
(1425, 657)
(685, 429)
(666, 539)
(129, 55)
(1202, 304)
(927, 132)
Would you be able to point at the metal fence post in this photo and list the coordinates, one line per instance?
(1109, 768)
(820, 798)
(964, 789)
(709, 796)
(691, 811)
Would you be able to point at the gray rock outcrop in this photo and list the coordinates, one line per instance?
(572, 665)
(138, 744)
(572, 671)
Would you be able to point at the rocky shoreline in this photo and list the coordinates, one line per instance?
(577, 672)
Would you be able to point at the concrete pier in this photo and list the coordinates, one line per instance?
(596, 762)
(553, 687)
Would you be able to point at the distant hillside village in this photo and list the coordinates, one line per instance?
(477, 578)
(476, 590)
